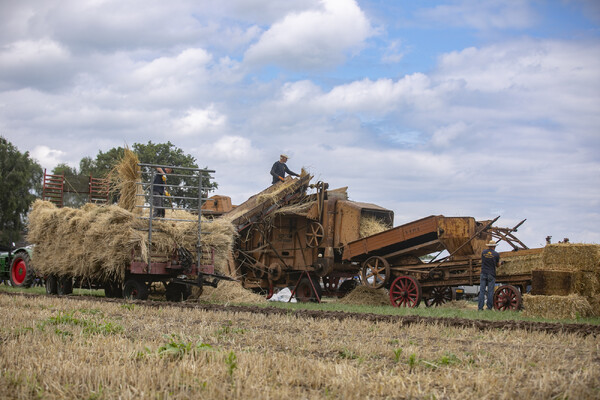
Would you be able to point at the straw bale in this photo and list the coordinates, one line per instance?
(556, 307)
(230, 292)
(98, 242)
(518, 265)
(545, 282)
(366, 295)
(595, 304)
(572, 257)
(370, 225)
(585, 283)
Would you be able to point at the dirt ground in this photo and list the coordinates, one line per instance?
(73, 347)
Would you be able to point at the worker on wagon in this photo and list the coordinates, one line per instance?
(279, 169)
(158, 191)
(490, 259)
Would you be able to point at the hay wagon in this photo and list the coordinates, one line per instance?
(397, 259)
(160, 254)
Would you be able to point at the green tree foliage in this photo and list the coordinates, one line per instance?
(20, 180)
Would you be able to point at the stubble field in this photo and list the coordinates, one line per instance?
(55, 348)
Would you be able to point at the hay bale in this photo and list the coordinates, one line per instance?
(367, 296)
(572, 257)
(545, 282)
(585, 283)
(369, 225)
(556, 307)
(518, 265)
(230, 292)
(595, 304)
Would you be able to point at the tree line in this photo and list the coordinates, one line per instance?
(21, 179)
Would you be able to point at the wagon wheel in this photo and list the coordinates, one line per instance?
(275, 272)
(51, 284)
(375, 272)
(305, 292)
(314, 234)
(405, 292)
(135, 289)
(21, 272)
(64, 285)
(440, 295)
(507, 297)
(177, 292)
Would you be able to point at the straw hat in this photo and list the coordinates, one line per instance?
(284, 156)
(491, 243)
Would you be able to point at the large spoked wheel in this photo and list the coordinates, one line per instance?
(64, 285)
(375, 272)
(21, 272)
(51, 284)
(314, 234)
(135, 290)
(440, 295)
(405, 292)
(507, 297)
(178, 292)
(305, 292)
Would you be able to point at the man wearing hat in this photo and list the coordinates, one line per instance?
(279, 169)
(490, 259)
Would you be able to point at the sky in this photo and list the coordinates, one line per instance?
(457, 107)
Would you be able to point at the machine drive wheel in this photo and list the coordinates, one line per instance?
(375, 272)
(135, 290)
(405, 292)
(51, 284)
(21, 272)
(314, 234)
(305, 292)
(507, 297)
(440, 295)
(64, 285)
(178, 291)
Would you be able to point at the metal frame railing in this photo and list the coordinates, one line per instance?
(195, 175)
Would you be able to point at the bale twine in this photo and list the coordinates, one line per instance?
(556, 307)
(367, 296)
(572, 257)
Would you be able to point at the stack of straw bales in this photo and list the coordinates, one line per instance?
(567, 283)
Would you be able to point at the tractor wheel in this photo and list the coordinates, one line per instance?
(113, 289)
(405, 292)
(135, 290)
(21, 272)
(51, 284)
(178, 292)
(507, 297)
(64, 285)
(305, 292)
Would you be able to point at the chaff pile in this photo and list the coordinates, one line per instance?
(367, 296)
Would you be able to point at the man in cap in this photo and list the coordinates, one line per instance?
(279, 169)
(490, 259)
(159, 191)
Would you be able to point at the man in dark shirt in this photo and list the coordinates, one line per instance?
(490, 259)
(158, 191)
(279, 169)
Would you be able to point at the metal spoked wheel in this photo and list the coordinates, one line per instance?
(440, 295)
(507, 297)
(314, 234)
(375, 272)
(405, 292)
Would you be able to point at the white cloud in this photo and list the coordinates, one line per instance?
(47, 157)
(200, 122)
(233, 148)
(316, 38)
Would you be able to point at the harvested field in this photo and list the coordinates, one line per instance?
(96, 349)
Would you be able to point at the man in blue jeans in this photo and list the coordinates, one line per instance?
(490, 259)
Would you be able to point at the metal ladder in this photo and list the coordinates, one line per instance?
(98, 190)
(53, 188)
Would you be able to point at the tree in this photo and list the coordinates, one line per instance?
(20, 180)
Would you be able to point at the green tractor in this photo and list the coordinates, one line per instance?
(15, 266)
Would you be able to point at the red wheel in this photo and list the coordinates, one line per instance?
(21, 273)
(405, 292)
(375, 272)
(269, 292)
(305, 292)
(507, 297)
